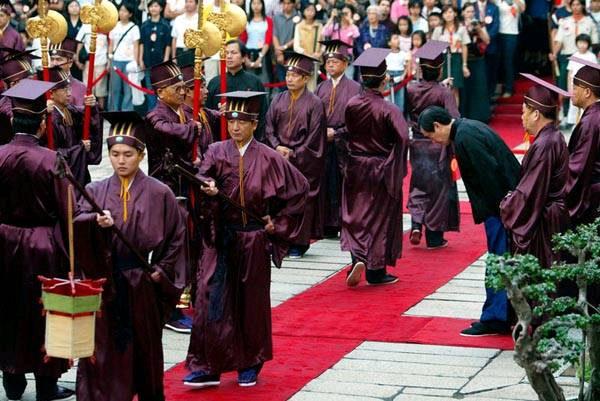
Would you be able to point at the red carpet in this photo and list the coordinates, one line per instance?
(315, 329)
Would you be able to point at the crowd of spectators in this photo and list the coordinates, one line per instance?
(483, 38)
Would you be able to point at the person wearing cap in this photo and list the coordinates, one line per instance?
(376, 145)
(296, 128)
(62, 55)
(9, 37)
(171, 129)
(14, 67)
(489, 171)
(232, 322)
(335, 93)
(536, 209)
(67, 120)
(433, 197)
(33, 226)
(128, 339)
(583, 185)
(238, 79)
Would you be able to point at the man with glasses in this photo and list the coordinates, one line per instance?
(171, 128)
(67, 122)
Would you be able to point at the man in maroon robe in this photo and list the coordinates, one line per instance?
(536, 210)
(377, 146)
(335, 93)
(583, 185)
(128, 351)
(433, 198)
(61, 55)
(232, 325)
(171, 128)
(296, 128)
(33, 219)
(14, 67)
(67, 120)
(9, 37)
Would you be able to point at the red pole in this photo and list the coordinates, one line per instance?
(87, 116)
(223, 100)
(196, 114)
(49, 126)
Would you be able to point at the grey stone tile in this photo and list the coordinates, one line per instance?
(446, 296)
(361, 389)
(394, 379)
(405, 367)
(312, 396)
(429, 349)
(430, 359)
(453, 309)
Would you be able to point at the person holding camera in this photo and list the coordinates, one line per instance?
(340, 26)
(476, 105)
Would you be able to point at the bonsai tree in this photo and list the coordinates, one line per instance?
(543, 334)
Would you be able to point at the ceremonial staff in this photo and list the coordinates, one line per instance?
(206, 40)
(230, 20)
(51, 26)
(103, 17)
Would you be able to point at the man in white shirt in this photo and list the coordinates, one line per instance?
(189, 19)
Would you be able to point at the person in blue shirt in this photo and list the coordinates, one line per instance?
(155, 43)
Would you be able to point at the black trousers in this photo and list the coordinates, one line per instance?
(432, 238)
(14, 386)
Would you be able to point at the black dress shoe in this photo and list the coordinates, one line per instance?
(380, 277)
(483, 329)
(61, 393)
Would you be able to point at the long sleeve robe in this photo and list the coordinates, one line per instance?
(67, 141)
(583, 185)
(169, 130)
(377, 142)
(129, 355)
(301, 126)
(209, 132)
(6, 133)
(232, 324)
(536, 210)
(487, 166)
(335, 101)
(11, 39)
(33, 216)
(433, 198)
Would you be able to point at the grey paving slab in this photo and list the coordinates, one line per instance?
(457, 289)
(430, 359)
(453, 309)
(404, 367)
(444, 296)
(394, 379)
(312, 396)
(361, 389)
(429, 349)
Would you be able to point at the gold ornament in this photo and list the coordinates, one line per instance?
(104, 16)
(53, 27)
(208, 39)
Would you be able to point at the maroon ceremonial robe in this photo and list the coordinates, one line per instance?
(335, 101)
(168, 129)
(78, 90)
(377, 145)
(209, 132)
(536, 210)
(583, 184)
(433, 198)
(5, 120)
(11, 39)
(68, 133)
(33, 215)
(232, 325)
(129, 355)
(300, 126)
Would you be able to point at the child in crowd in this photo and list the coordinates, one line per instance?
(434, 20)
(418, 39)
(396, 61)
(404, 31)
(584, 43)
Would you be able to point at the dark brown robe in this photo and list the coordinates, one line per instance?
(433, 198)
(232, 325)
(583, 184)
(335, 102)
(300, 126)
(166, 129)
(33, 216)
(68, 133)
(536, 210)
(129, 354)
(6, 133)
(377, 145)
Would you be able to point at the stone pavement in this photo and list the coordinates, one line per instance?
(378, 370)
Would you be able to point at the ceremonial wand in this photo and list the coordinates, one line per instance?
(51, 26)
(192, 178)
(230, 19)
(103, 17)
(206, 40)
(62, 171)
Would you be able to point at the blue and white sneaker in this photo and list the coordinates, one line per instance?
(248, 377)
(201, 379)
(294, 253)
